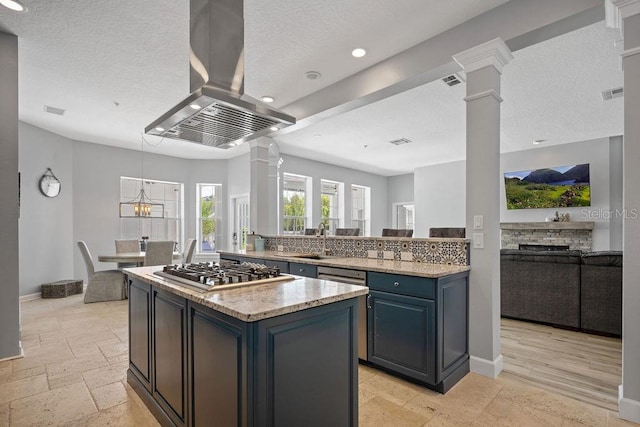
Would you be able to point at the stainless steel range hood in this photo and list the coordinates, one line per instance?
(216, 113)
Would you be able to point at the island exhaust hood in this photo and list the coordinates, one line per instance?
(217, 113)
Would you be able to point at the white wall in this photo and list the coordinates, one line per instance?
(380, 215)
(46, 224)
(594, 152)
(439, 193)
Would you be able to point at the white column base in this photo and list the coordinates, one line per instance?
(484, 367)
(628, 409)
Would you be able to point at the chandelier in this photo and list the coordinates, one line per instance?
(142, 205)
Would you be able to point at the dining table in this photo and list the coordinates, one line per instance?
(128, 258)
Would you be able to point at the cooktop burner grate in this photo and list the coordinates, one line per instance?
(207, 275)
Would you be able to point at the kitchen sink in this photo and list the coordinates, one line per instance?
(314, 256)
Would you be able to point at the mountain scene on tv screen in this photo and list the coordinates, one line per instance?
(557, 187)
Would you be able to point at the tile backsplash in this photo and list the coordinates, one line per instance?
(430, 250)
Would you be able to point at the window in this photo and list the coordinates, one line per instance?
(330, 204)
(294, 203)
(165, 220)
(360, 209)
(207, 195)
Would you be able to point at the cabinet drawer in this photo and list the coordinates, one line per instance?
(282, 265)
(421, 287)
(300, 269)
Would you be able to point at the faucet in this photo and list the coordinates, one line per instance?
(322, 231)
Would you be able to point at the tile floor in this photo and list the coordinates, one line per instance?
(74, 370)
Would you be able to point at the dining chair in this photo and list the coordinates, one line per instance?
(347, 231)
(105, 285)
(159, 253)
(189, 249)
(447, 232)
(127, 246)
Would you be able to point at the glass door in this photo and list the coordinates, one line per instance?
(241, 222)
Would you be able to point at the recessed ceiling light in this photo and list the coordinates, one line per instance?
(159, 129)
(14, 5)
(538, 141)
(358, 52)
(313, 75)
(195, 106)
(273, 128)
(268, 99)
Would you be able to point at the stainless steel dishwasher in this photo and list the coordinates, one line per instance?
(354, 277)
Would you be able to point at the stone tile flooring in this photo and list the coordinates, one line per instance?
(74, 374)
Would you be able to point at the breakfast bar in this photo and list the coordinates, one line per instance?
(275, 352)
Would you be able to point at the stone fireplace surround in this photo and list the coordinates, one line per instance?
(578, 235)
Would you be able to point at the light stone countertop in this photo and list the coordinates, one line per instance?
(258, 301)
(409, 268)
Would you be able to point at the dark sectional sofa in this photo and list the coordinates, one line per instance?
(563, 288)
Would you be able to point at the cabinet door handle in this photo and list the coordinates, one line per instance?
(369, 301)
(396, 284)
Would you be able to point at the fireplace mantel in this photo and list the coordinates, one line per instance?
(578, 235)
(561, 225)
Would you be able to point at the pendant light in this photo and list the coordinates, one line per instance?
(141, 206)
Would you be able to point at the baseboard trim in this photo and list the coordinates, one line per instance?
(487, 368)
(628, 409)
(30, 297)
(18, 356)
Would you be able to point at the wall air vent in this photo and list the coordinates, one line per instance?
(54, 110)
(400, 141)
(452, 80)
(612, 93)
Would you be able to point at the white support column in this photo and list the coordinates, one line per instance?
(259, 197)
(483, 65)
(628, 12)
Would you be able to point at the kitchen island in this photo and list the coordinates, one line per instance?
(277, 353)
(413, 323)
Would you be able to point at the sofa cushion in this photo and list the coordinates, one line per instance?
(556, 257)
(609, 258)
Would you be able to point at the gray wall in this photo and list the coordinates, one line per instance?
(46, 224)
(440, 189)
(380, 215)
(439, 196)
(96, 187)
(594, 152)
(9, 285)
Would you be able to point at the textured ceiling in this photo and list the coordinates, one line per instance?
(116, 66)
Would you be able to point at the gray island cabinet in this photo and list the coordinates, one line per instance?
(214, 359)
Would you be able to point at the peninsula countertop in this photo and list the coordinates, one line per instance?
(410, 268)
(258, 301)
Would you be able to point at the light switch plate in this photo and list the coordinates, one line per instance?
(372, 254)
(387, 255)
(280, 248)
(478, 240)
(478, 222)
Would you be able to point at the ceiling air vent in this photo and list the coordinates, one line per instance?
(54, 110)
(400, 141)
(612, 93)
(452, 80)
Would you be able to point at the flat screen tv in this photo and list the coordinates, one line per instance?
(557, 187)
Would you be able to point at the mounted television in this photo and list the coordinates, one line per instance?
(557, 187)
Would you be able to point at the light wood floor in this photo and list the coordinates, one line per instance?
(581, 366)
